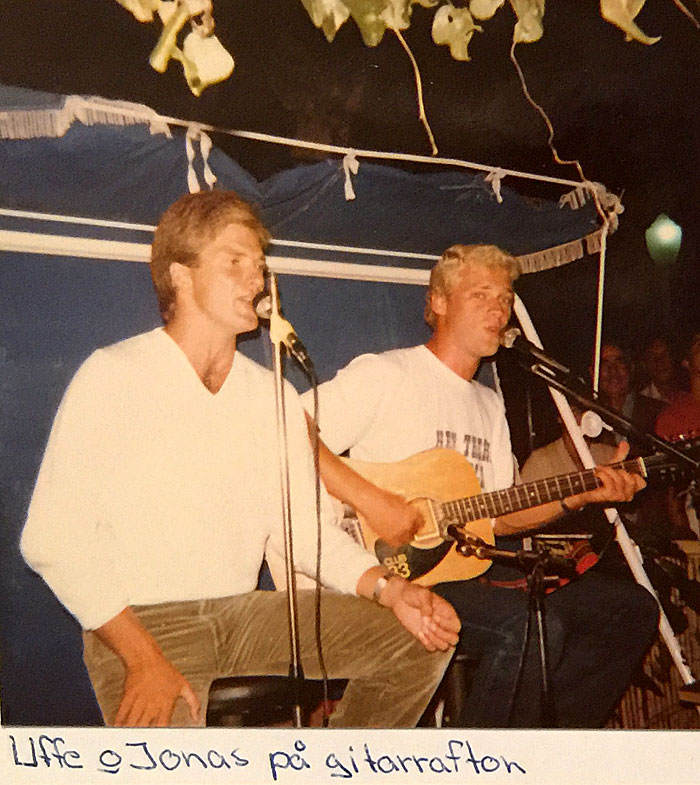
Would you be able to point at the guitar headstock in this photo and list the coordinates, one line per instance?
(672, 470)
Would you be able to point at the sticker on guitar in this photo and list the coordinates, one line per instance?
(395, 561)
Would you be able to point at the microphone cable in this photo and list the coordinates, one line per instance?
(264, 309)
(314, 435)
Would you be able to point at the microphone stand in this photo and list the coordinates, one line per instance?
(627, 545)
(540, 566)
(296, 672)
(556, 378)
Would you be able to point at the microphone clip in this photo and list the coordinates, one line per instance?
(543, 562)
(281, 331)
(513, 339)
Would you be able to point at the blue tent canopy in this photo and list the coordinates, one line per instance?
(83, 183)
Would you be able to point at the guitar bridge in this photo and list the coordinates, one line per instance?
(351, 525)
(430, 533)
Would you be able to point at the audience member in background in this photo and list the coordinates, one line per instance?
(646, 517)
(681, 420)
(616, 391)
(561, 457)
(662, 372)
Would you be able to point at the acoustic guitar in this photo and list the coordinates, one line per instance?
(442, 484)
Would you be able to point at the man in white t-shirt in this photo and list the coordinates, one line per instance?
(159, 492)
(389, 406)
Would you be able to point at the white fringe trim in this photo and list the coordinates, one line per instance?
(88, 248)
(610, 203)
(53, 123)
(560, 255)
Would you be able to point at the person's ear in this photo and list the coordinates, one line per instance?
(179, 275)
(438, 302)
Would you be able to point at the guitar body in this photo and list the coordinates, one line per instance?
(442, 484)
(426, 480)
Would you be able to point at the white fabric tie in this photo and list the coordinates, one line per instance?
(205, 149)
(495, 178)
(195, 134)
(350, 166)
(192, 181)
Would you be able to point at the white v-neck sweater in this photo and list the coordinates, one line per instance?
(153, 489)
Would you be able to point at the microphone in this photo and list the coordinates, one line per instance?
(527, 561)
(513, 339)
(592, 425)
(281, 329)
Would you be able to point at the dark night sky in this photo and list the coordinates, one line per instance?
(628, 112)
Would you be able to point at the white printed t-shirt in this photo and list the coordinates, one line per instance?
(386, 407)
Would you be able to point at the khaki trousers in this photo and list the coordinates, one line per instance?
(392, 677)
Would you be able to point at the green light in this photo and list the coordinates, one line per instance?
(663, 240)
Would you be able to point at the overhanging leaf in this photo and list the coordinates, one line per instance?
(621, 13)
(397, 14)
(205, 61)
(528, 28)
(327, 15)
(484, 9)
(455, 28)
(368, 17)
(143, 10)
(373, 17)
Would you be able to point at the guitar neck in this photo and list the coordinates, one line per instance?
(530, 494)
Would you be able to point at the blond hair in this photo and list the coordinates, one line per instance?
(458, 258)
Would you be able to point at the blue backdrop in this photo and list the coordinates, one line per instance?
(55, 310)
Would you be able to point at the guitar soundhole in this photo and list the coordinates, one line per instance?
(410, 562)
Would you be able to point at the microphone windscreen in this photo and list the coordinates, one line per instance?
(263, 307)
(591, 424)
(509, 337)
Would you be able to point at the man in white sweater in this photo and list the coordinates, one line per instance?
(159, 492)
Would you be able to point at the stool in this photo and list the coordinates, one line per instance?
(264, 701)
(690, 693)
(446, 705)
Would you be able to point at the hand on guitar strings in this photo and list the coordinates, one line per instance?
(618, 485)
(428, 617)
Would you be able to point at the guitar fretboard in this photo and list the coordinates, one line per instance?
(530, 494)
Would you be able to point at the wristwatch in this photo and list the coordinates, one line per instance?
(379, 586)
